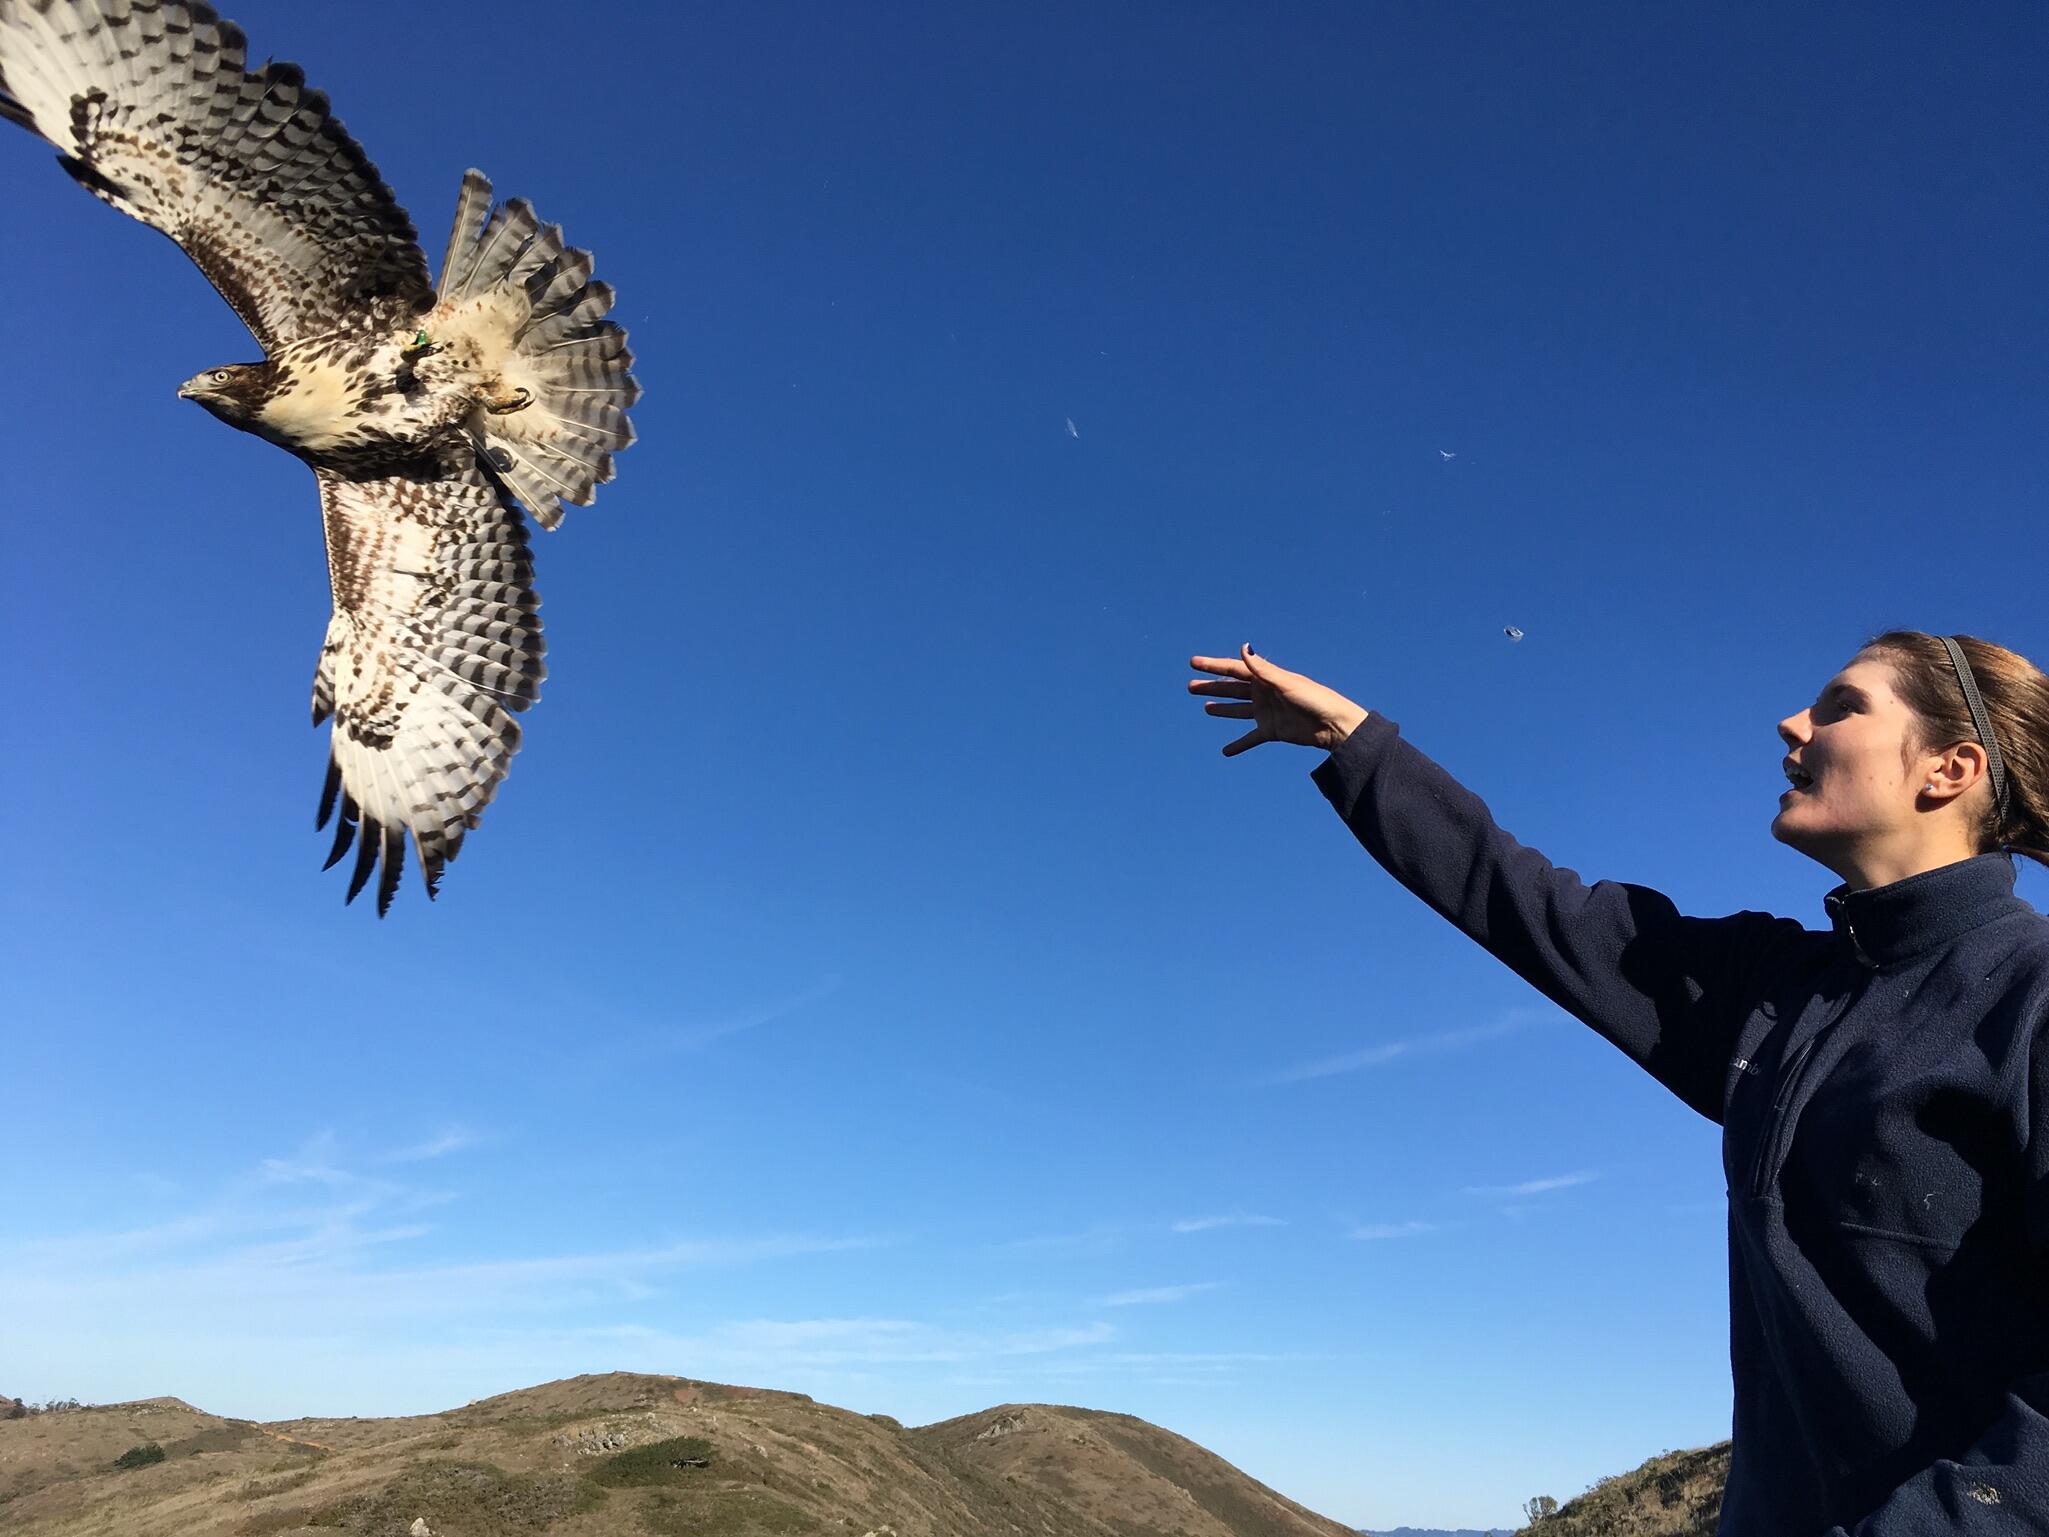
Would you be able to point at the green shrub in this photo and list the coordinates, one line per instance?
(140, 1456)
(661, 1462)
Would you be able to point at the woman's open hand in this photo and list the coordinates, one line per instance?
(1284, 706)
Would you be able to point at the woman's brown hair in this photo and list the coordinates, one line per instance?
(2016, 695)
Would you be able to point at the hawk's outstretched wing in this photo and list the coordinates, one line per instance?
(434, 639)
(148, 102)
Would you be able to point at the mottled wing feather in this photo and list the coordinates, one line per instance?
(435, 643)
(251, 174)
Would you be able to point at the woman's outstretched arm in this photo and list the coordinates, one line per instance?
(1667, 989)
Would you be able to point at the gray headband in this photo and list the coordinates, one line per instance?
(1994, 765)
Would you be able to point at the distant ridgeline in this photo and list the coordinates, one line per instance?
(629, 1455)
(626, 1455)
(1434, 1531)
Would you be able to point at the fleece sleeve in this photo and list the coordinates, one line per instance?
(1669, 990)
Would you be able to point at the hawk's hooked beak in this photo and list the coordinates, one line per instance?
(201, 387)
(219, 396)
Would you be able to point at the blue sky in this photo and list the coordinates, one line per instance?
(872, 981)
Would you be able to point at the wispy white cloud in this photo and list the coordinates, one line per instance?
(1012, 1301)
(1393, 1051)
(452, 1140)
(1536, 1186)
(695, 1037)
(299, 1196)
(300, 1239)
(1370, 1231)
(1038, 1342)
(1179, 1368)
(1233, 1219)
(770, 1349)
(1099, 1239)
(1103, 1237)
(1211, 1358)
(541, 1275)
(1152, 1294)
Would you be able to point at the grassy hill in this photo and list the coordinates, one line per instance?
(624, 1455)
(1677, 1494)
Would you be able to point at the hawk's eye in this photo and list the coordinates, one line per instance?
(220, 376)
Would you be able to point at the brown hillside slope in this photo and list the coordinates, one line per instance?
(1676, 1494)
(624, 1455)
(1122, 1472)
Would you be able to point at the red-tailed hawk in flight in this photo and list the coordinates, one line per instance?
(429, 412)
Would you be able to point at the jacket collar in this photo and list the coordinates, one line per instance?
(1884, 924)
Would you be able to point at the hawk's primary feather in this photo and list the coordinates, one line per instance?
(434, 640)
(428, 419)
(250, 173)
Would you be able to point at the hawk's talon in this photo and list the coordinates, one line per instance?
(505, 405)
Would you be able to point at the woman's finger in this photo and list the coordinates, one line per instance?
(1230, 711)
(1222, 666)
(1246, 742)
(1260, 670)
(1223, 688)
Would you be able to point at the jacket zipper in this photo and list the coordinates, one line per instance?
(1775, 1129)
(1767, 1145)
(1770, 1136)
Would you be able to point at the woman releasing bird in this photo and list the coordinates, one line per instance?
(428, 412)
(1882, 1085)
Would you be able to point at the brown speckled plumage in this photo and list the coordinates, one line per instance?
(424, 450)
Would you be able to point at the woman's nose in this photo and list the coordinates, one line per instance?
(1792, 730)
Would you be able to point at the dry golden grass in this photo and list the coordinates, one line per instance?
(624, 1455)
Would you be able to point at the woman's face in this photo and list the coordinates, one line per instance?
(1852, 787)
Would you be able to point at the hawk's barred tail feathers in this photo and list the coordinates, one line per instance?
(572, 362)
(472, 205)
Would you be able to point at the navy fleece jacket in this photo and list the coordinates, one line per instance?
(1883, 1093)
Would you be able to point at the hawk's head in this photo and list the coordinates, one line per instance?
(234, 392)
